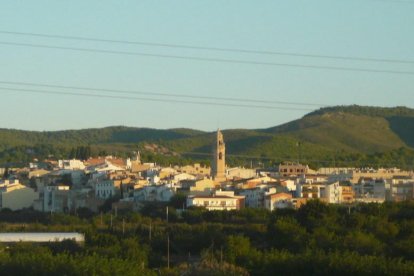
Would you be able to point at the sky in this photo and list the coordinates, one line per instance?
(369, 29)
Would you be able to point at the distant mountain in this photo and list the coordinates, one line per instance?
(343, 128)
(318, 135)
(107, 135)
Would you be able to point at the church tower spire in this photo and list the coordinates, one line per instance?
(218, 171)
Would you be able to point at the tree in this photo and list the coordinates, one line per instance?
(6, 173)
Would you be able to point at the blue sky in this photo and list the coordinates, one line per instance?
(358, 28)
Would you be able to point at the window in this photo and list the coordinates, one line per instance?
(220, 156)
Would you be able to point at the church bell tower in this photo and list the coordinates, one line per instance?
(218, 170)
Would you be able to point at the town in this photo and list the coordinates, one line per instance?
(64, 186)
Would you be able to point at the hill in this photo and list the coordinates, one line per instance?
(347, 132)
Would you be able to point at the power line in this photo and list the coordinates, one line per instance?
(219, 60)
(160, 94)
(394, 1)
(150, 99)
(217, 49)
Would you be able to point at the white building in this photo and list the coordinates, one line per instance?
(104, 189)
(255, 197)
(373, 189)
(73, 164)
(53, 199)
(40, 237)
(161, 193)
(16, 196)
(240, 173)
(278, 201)
(218, 201)
(183, 176)
(332, 193)
(289, 184)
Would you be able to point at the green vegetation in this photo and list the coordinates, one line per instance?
(346, 135)
(317, 239)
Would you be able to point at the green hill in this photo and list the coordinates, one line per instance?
(342, 132)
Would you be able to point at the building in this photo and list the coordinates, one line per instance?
(332, 193)
(200, 186)
(309, 190)
(104, 189)
(278, 201)
(291, 168)
(71, 164)
(386, 174)
(161, 193)
(220, 201)
(16, 196)
(347, 193)
(183, 176)
(255, 197)
(53, 199)
(218, 169)
(401, 191)
(240, 173)
(40, 237)
(195, 169)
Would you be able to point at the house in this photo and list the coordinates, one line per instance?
(183, 176)
(347, 192)
(314, 190)
(220, 201)
(195, 169)
(278, 201)
(292, 168)
(332, 193)
(104, 189)
(16, 196)
(198, 186)
(71, 164)
(255, 197)
(402, 191)
(240, 173)
(373, 189)
(53, 199)
(167, 173)
(161, 193)
(252, 183)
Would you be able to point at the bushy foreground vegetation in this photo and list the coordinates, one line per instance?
(317, 239)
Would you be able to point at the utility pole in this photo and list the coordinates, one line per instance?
(167, 214)
(123, 226)
(168, 251)
(150, 230)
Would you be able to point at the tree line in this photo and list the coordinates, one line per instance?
(317, 239)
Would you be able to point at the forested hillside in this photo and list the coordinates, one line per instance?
(344, 134)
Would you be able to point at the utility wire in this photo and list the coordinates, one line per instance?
(217, 49)
(150, 99)
(160, 94)
(219, 60)
(393, 1)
